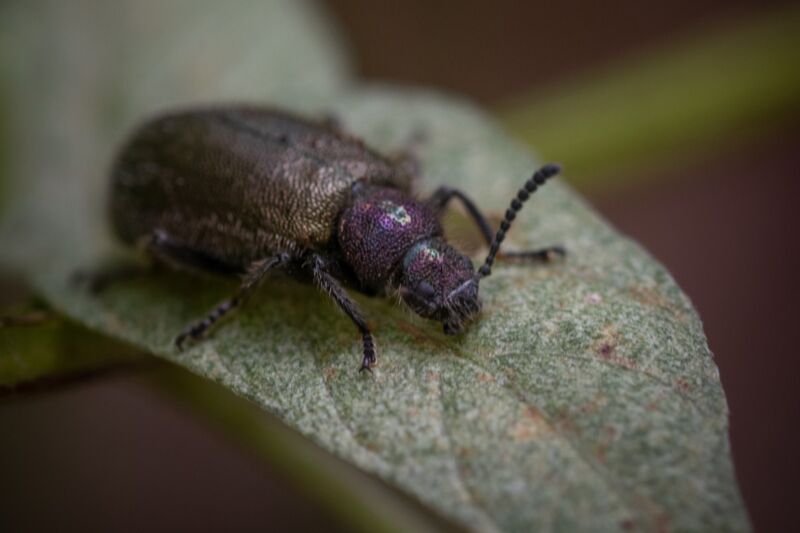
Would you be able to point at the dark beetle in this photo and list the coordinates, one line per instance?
(246, 191)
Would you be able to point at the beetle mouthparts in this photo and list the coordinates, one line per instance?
(451, 329)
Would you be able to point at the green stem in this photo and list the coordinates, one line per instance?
(722, 86)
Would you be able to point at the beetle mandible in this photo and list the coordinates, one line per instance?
(246, 191)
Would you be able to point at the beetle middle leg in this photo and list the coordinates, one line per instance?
(164, 250)
(255, 274)
(97, 281)
(328, 284)
(442, 196)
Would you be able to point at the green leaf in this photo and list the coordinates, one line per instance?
(585, 397)
(56, 350)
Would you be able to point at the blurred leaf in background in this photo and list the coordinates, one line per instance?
(44, 353)
(720, 87)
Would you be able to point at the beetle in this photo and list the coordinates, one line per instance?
(247, 191)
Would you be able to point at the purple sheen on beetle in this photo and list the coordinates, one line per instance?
(378, 228)
(439, 283)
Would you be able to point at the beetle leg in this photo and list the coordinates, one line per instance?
(330, 286)
(442, 196)
(255, 273)
(165, 250)
(544, 255)
(162, 247)
(97, 281)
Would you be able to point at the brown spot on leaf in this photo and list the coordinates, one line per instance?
(483, 377)
(606, 440)
(593, 406)
(654, 298)
(521, 283)
(465, 453)
(566, 425)
(529, 427)
(606, 345)
(594, 298)
(606, 348)
(683, 385)
(329, 373)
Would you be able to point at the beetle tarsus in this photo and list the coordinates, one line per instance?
(545, 255)
(179, 340)
(196, 330)
(330, 286)
(369, 360)
(255, 273)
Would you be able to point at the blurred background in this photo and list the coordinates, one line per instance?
(679, 121)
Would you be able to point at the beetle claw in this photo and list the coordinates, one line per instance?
(179, 340)
(367, 363)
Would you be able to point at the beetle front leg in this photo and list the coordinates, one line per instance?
(330, 286)
(442, 196)
(255, 273)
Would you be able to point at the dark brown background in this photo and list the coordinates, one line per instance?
(725, 225)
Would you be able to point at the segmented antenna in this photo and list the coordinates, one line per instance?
(538, 178)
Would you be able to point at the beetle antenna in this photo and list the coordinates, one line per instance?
(538, 178)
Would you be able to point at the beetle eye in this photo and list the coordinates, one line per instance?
(425, 289)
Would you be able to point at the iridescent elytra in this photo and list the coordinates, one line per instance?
(246, 191)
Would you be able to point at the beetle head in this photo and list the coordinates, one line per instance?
(439, 283)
